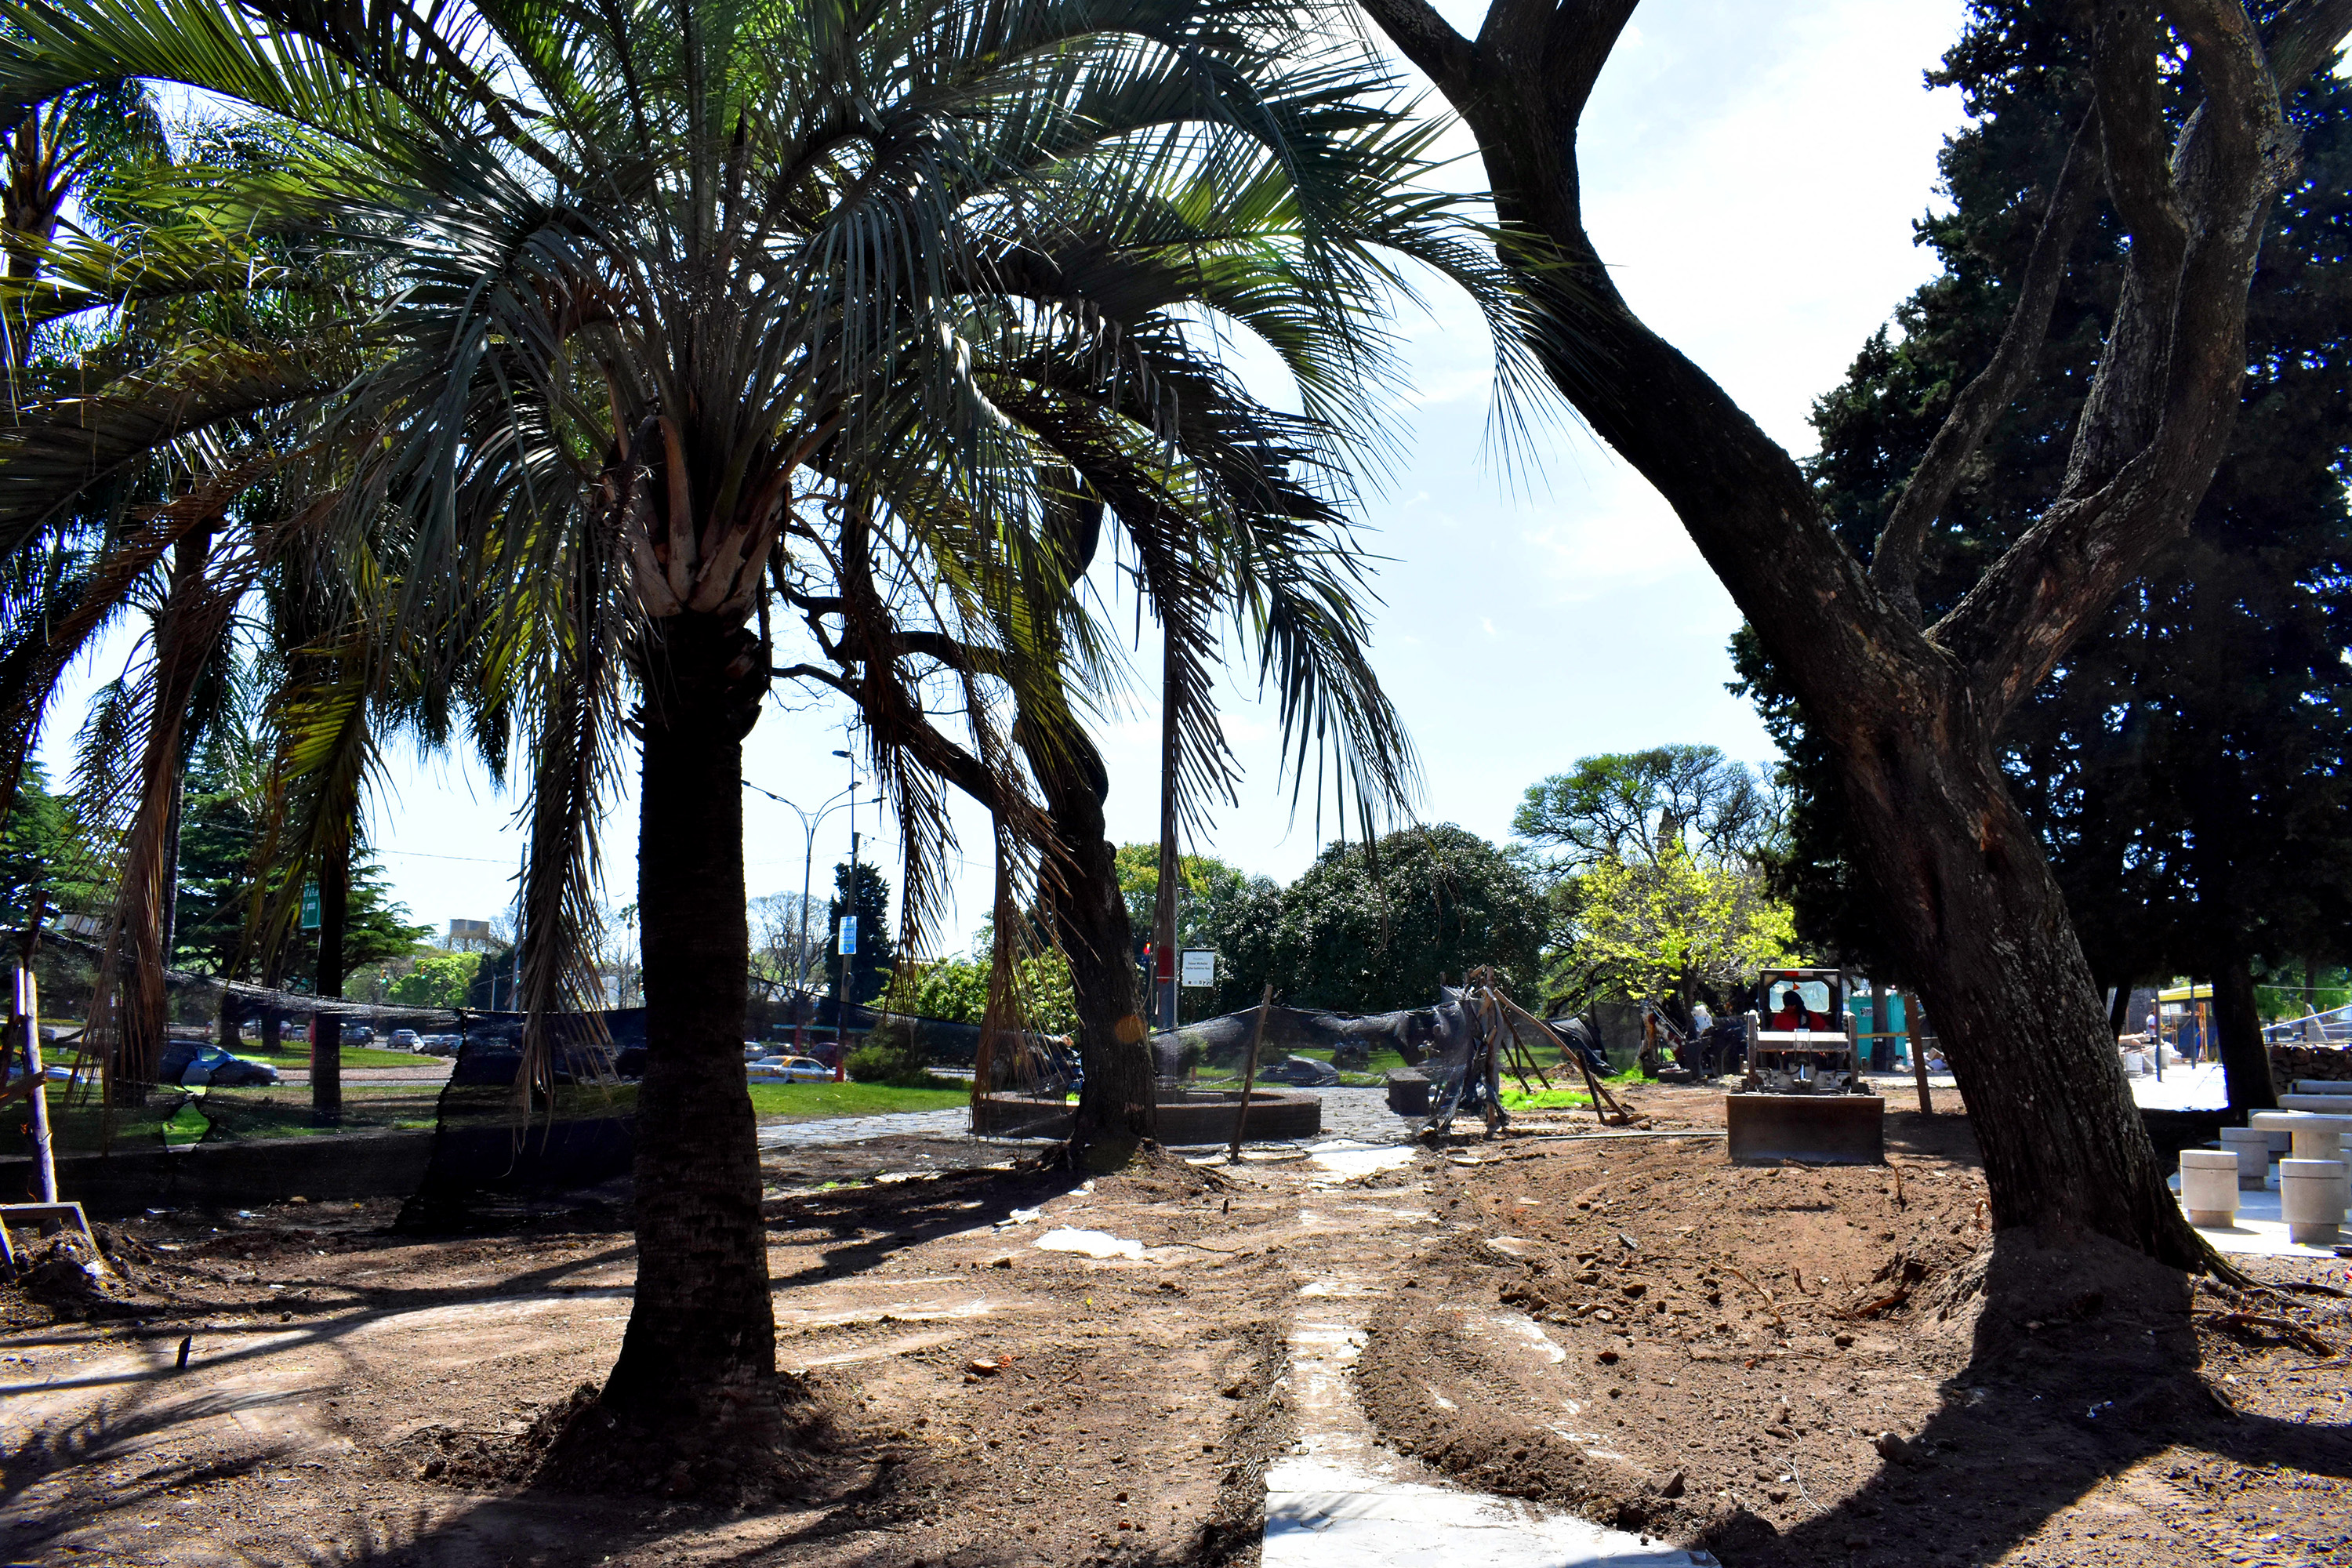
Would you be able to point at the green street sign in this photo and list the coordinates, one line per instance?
(309, 906)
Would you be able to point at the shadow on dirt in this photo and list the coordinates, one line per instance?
(2084, 1364)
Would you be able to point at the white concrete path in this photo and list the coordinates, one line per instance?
(1339, 1500)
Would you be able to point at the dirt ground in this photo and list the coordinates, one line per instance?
(1783, 1366)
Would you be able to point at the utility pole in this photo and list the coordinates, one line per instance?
(1163, 906)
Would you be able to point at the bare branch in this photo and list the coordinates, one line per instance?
(2308, 34)
(1429, 41)
(1895, 560)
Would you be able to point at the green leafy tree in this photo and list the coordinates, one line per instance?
(1648, 805)
(223, 831)
(434, 980)
(1675, 927)
(43, 855)
(1378, 929)
(956, 990)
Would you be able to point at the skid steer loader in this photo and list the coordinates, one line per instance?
(1803, 1097)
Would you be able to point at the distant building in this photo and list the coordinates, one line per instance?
(469, 936)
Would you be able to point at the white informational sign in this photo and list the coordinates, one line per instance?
(849, 933)
(1200, 966)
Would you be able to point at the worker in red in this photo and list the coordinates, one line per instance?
(1792, 1014)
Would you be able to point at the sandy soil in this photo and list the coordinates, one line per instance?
(1629, 1327)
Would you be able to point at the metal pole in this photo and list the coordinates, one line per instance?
(849, 908)
(800, 948)
(45, 1160)
(1164, 977)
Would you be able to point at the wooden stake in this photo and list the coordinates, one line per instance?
(1600, 1095)
(1249, 1075)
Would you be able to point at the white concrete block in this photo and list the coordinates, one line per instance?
(2209, 1187)
(2311, 1200)
(2252, 1149)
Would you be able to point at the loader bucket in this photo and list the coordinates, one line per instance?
(1813, 1129)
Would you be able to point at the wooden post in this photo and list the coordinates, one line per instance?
(1249, 1074)
(1919, 1057)
(28, 1006)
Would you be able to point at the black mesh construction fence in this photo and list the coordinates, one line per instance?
(1224, 1041)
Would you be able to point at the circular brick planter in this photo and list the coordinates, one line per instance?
(1203, 1119)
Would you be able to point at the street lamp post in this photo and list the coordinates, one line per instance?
(810, 821)
(842, 998)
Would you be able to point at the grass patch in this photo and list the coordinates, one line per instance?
(774, 1101)
(1546, 1099)
(298, 1055)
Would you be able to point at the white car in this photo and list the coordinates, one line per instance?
(791, 1069)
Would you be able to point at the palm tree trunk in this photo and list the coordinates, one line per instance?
(327, 1030)
(1116, 1107)
(702, 1318)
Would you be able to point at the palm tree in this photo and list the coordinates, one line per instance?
(664, 284)
(1222, 506)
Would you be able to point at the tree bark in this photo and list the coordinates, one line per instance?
(1116, 1107)
(1979, 924)
(701, 1319)
(327, 1030)
(2238, 1023)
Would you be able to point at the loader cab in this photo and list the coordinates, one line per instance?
(1803, 1098)
(1810, 999)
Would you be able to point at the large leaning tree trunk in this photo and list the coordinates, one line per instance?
(701, 1322)
(1912, 714)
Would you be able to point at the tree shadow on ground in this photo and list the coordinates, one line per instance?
(870, 1224)
(2084, 1364)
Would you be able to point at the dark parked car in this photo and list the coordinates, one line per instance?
(190, 1064)
(1305, 1071)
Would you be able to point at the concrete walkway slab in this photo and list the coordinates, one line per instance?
(1322, 1515)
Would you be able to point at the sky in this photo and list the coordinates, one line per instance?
(1752, 172)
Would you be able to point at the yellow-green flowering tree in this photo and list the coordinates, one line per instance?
(1675, 925)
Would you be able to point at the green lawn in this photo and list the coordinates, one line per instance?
(176, 1116)
(772, 1101)
(1516, 1098)
(297, 1054)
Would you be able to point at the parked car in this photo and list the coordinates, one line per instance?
(791, 1069)
(401, 1040)
(358, 1035)
(192, 1065)
(1300, 1070)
